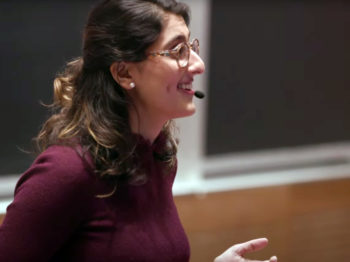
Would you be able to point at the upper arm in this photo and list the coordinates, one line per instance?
(51, 201)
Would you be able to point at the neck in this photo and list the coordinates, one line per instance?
(147, 125)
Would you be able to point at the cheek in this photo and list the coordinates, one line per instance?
(168, 73)
(162, 77)
(172, 84)
(171, 80)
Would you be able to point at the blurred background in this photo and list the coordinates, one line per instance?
(268, 151)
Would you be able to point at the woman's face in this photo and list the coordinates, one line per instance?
(158, 79)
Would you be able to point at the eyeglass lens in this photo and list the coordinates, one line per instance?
(184, 52)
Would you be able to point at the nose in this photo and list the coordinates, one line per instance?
(195, 64)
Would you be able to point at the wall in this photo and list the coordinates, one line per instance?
(307, 222)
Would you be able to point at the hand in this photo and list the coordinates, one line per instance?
(236, 252)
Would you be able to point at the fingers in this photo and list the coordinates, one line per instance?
(236, 253)
(250, 246)
(273, 259)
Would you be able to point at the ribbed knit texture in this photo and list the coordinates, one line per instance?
(56, 216)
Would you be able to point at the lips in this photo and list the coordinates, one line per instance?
(187, 87)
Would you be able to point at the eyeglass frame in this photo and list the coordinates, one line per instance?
(175, 52)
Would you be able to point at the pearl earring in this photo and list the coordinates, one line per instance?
(132, 85)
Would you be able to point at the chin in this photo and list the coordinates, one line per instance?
(188, 112)
(191, 109)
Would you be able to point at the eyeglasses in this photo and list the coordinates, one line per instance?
(181, 52)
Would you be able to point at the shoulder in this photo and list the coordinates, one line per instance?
(55, 195)
(59, 167)
(66, 159)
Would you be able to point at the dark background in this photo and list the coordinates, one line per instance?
(278, 72)
(37, 38)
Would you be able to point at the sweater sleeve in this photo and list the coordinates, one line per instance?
(51, 200)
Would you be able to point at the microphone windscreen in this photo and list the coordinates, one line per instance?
(199, 94)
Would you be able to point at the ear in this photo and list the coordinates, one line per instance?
(120, 73)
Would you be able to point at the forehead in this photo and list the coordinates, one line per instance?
(174, 28)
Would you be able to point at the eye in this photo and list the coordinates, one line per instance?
(183, 50)
(175, 47)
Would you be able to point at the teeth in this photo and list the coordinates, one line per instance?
(184, 86)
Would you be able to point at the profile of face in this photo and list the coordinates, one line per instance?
(162, 85)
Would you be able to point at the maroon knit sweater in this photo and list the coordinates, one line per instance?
(56, 216)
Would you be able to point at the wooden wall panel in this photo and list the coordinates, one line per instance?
(304, 222)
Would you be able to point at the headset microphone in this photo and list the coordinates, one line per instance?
(199, 94)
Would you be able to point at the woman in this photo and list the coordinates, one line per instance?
(101, 188)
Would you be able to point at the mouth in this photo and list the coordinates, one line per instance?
(187, 88)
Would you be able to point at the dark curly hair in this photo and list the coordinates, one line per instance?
(89, 107)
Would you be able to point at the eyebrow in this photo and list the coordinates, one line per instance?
(177, 38)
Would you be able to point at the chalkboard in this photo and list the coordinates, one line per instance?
(37, 39)
(279, 75)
